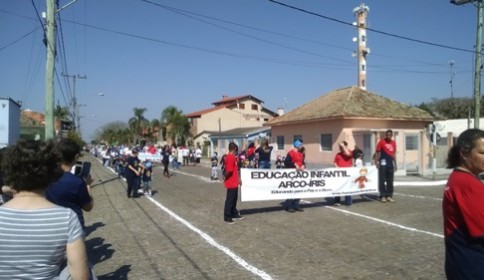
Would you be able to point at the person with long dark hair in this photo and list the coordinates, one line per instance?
(463, 208)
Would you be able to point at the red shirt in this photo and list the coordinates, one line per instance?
(342, 160)
(231, 169)
(463, 210)
(297, 158)
(388, 147)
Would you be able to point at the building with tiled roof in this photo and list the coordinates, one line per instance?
(229, 113)
(358, 117)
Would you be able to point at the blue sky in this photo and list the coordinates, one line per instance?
(189, 53)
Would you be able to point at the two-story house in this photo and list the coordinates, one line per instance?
(232, 117)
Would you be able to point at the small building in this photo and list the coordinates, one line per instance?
(9, 121)
(358, 117)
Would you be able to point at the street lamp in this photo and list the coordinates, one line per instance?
(478, 63)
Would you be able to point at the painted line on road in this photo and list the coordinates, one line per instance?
(420, 183)
(419, 196)
(379, 220)
(211, 241)
(254, 270)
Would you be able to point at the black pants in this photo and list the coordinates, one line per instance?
(165, 168)
(133, 185)
(385, 181)
(230, 209)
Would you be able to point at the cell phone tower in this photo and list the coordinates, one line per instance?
(362, 50)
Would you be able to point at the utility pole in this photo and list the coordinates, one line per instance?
(451, 63)
(478, 63)
(478, 66)
(76, 118)
(49, 70)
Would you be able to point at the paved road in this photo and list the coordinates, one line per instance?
(180, 234)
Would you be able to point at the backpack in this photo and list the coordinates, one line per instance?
(288, 162)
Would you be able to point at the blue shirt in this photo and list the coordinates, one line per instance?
(69, 191)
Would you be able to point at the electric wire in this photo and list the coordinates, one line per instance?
(178, 11)
(373, 30)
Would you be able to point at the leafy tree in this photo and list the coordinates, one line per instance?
(450, 108)
(114, 132)
(61, 113)
(138, 123)
(175, 125)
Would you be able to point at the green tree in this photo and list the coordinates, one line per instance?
(61, 113)
(175, 125)
(138, 123)
(114, 132)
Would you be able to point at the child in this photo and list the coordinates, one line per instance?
(214, 162)
(222, 167)
(280, 162)
(359, 160)
(147, 172)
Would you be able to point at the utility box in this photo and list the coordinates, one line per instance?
(9, 122)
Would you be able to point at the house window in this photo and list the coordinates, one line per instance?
(255, 107)
(326, 142)
(411, 142)
(280, 142)
(242, 106)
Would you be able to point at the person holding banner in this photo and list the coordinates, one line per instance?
(263, 155)
(343, 159)
(294, 159)
(231, 183)
(387, 165)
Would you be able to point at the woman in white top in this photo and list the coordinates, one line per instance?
(36, 235)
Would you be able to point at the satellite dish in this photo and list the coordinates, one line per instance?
(355, 39)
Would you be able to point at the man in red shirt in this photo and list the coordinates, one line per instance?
(386, 163)
(343, 159)
(231, 183)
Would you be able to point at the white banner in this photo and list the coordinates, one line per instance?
(152, 157)
(277, 184)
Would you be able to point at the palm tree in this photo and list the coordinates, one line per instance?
(175, 125)
(61, 113)
(155, 126)
(138, 123)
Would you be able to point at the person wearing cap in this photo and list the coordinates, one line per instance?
(132, 173)
(294, 159)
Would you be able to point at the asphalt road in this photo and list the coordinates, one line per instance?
(179, 233)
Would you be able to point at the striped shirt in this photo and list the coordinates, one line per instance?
(33, 242)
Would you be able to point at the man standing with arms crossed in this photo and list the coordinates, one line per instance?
(387, 165)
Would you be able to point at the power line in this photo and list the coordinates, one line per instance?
(371, 29)
(185, 13)
(17, 40)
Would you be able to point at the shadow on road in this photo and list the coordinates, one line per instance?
(120, 273)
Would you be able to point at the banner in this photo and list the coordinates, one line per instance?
(152, 157)
(277, 184)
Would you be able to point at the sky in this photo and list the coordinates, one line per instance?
(189, 53)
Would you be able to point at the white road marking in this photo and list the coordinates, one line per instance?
(211, 241)
(378, 220)
(420, 183)
(254, 270)
(385, 222)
